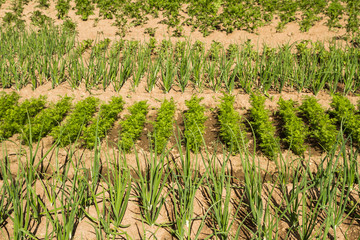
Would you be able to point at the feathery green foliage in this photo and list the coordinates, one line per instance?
(81, 115)
(164, 124)
(99, 126)
(194, 123)
(294, 128)
(232, 130)
(133, 125)
(322, 127)
(46, 120)
(15, 118)
(263, 128)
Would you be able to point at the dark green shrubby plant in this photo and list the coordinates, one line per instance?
(321, 126)
(77, 120)
(16, 117)
(46, 120)
(294, 128)
(345, 114)
(133, 125)
(84, 8)
(106, 118)
(62, 7)
(164, 124)
(263, 128)
(194, 123)
(7, 102)
(232, 130)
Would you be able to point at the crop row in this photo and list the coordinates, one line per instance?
(53, 55)
(206, 16)
(308, 121)
(172, 195)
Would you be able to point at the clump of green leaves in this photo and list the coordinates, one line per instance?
(163, 126)
(84, 8)
(133, 125)
(7, 102)
(294, 128)
(232, 130)
(263, 128)
(16, 117)
(62, 7)
(47, 119)
(194, 123)
(108, 114)
(79, 118)
(345, 114)
(321, 126)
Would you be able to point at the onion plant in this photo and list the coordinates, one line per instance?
(187, 182)
(150, 186)
(168, 70)
(142, 59)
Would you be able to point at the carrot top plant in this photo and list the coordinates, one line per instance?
(345, 114)
(108, 114)
(77, 120)
(132, 125)
(194, 123)
(263, 128)
(232, 130)
(7, 102)
(15, 118)
(164, 124)
(322, 128)
(47, 119)
(294, 128)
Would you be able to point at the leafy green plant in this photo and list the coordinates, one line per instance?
(62, 7)
(43, 4)
(194, 123)
(334, 12)
(105, 119)
(345, 114)
(70, 131)
(7, 102)
(46, 120)
(263, 128)
(164, 124)
(294, 128)
(15, 118)
(232, 130)
(321, 126)
(85, 8)
(132, 125)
